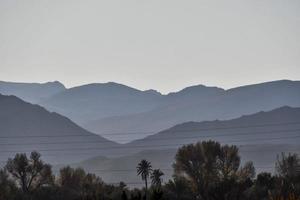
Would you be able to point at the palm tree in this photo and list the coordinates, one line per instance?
(144, 169)
(156, 177)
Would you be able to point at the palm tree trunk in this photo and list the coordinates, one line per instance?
(146, 184)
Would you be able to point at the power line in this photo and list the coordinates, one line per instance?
(141, 133)
(134, 170)
(146, 146)
(164, 138)
(206, 129)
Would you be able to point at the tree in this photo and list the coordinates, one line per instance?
(30, 173)
(7, 187)
(288, 166)
(144, 169)
(178, 189)
(156, 177)
(263, 185)
(247, 171)
(198, 163)
(288, 169)
(228, 161)
(210, 167)
(124, 196)
(76, 183)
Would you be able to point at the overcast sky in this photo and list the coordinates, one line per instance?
(160, 44)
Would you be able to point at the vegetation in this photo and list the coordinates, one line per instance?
(202, 171)
(144, 169)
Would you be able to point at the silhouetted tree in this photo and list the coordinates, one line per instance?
(228, 161)
(7, 187)
(288, 170)
(208, 165)
(124, 196)
(156, 177)
(198, 163)
(144, 169)
(30, 173)
(247, 171)
(178, 189)
(288, 166)
(76, 183)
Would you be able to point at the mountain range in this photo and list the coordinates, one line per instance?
(31, 92)
(112, 109)
(200, 103)
(25, 127)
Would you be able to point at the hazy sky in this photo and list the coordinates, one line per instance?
(160, 44)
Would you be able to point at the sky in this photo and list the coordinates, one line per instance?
(155, 44)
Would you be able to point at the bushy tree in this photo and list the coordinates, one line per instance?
(206, 171)
(228, 161)
(7, 186)
(208, 165)
(76, 183)
(178, 189)
(288, 166)
(30, 173)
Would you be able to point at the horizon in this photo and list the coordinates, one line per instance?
(163, 93)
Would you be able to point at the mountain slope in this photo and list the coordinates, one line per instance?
(278, 126)
(96, 101)
(201, 104)
(260, 138)
(25, 127)
(31, 92)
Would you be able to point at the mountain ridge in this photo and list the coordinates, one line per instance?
(107, 108)
(25, 127)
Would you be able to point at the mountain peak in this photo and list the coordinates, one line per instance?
(198, 90)
(55, 83)
(151, 91)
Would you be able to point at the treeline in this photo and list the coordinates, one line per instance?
(202, 171)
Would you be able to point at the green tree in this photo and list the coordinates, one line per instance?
(144, 169)
(31, 173)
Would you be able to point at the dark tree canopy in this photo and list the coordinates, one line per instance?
(156, 177)
(30, 173)
(206, 164)
(202, 171)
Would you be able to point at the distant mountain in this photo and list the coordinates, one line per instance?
(31, 92)
(200, 103)
(96, 101)
(260, 138)
(25, 127)
(113, 110)
(278, 126)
